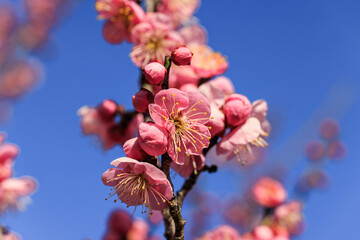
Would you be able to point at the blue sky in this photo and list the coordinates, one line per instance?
(291, 53)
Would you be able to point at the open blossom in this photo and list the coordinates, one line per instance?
(153, 39)
(184, 116)
(138, 183)
(290, 216)
(221, 233)
(240, 140)
(192, 164)
(179, 10)
(12, 190)
(193, 34)
(8, 153)
(206, 62)
(268, 192)
(122, 16)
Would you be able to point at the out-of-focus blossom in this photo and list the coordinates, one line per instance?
(119, 222)
(224, 84)
(314, 179)
(142, 99)
(290, 216)
(329, 129)
(179, 10)
(8, 153)
(184, 116)
(194, 34)
(336, 150)
(138, 183)
(181, 56)
(315, 150)
(20, 78)
(192, 164)
(154, 73)
(122, 16)
(156, 217)
(101, 122)
(220, 233)
(268, 192)
(206, 62)
(12, 190)
(153, 39)
(11, 236)
(138, 231)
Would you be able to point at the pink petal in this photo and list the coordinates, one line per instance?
(172, 100)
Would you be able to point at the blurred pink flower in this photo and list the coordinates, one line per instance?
(139, 230)
(193, 34)
(179, 10)
(184, 116)
(12, 190)
(206, 62)
(153, 39)
(221, 233)
(182, 75)
(138, 183)
(268, 192)
(290, 216)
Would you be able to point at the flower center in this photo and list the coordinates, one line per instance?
(153, 44)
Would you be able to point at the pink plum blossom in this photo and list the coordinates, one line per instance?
(224, 84)
(119, 221)
(139, 230)
(154, 73)
(206, 62)
(268, 192)
(179, 10)
(221, 233)
(11, 236)
(121, 15)
(12, 190)
(181, 56)
(8, 153)
(192, 164)
(153, 39)
(184, 116)
(138, 184)
(240, 140)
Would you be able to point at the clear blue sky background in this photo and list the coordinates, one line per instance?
(290, 53)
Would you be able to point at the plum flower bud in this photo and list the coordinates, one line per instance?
(153, 138)
(138, 184)
(269, 192)
(133, 150)
(154, 73)
(181, 56)
(237, 109)
(142, 99)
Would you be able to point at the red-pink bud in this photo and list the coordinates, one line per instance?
(237, 109)
(107, 109)
(142, 99)
(154, 73)
(181, 56)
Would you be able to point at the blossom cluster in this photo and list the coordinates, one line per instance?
(14, 192)
(23, 33)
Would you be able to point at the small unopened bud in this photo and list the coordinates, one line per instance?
(181, 56)
(154, 73)
(107, 109)
(142, 99)
(237, 109)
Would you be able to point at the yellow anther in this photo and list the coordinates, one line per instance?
(209, 138)
(194, 141)
(194, 109)
(177, 103)
(187, 154)
(179, 150)
(205, 113)
(212, 118)
(202, 138)
(209, 128)
(173, 94)
(200, 101)
(163, 98)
